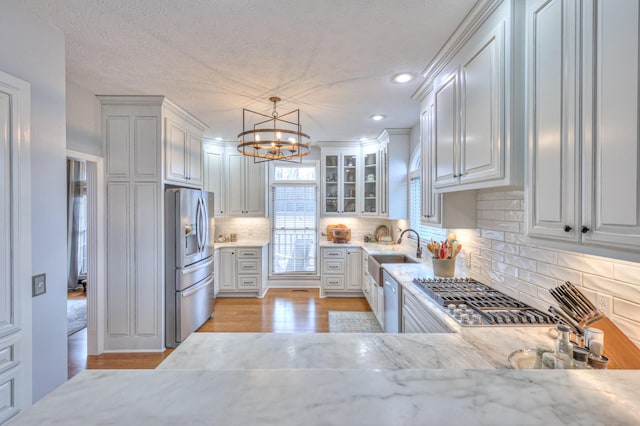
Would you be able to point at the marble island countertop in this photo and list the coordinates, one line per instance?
(341, 397)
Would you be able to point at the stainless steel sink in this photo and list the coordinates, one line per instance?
(376, 260)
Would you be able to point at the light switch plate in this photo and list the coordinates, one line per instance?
(38, 284)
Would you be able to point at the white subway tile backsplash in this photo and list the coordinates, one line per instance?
(585, 264)
(505, 269)
(492, 254)
(494, 195)
(626, 309)
(493, 235)
(521, 286)
(504, 247)
(517, 238)
(537, 279)
(515, 216)
(514, 195)
(507, 205)
(626, 273)
(559, 272)
(611, 287)
(520, 262)
(492, 214)
(543, 255)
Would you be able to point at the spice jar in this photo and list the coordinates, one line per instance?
(581, 358)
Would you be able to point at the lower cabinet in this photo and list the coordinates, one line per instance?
(341, 271)
(417, 319)
(243, 271)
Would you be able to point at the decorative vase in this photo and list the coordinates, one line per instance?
(444, 267)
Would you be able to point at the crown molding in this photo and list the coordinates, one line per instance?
(480, 12)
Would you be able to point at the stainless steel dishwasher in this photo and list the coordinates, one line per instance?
(391, 304)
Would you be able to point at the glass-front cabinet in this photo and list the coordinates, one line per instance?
(340, 176)
(372, 181)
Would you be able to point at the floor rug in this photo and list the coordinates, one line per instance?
(76, 315)
(353, 322)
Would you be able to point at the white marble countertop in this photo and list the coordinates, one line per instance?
(341, 397)
(252, 243)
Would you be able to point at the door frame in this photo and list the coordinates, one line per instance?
(20, 201)
(96, 291)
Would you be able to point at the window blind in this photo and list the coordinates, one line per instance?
(294, 221)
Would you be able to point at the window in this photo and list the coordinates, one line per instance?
(415, 204)
(294, 220)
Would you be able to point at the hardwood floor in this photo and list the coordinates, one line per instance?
(280, 311)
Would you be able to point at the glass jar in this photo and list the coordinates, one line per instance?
(541, 350)
(563, 348)
(581, 358)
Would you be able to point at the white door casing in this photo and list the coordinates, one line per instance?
(15, 226)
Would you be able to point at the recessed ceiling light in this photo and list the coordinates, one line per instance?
(218, 138)
(404, 77)
(377, 117)
(363, 139)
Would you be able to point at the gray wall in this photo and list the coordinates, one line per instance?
(83, 121)
(34, 51)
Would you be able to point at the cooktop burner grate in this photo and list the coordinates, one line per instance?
(471, 302)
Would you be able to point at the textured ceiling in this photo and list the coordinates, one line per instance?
(333, 59)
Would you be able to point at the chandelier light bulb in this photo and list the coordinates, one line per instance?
(257, 137)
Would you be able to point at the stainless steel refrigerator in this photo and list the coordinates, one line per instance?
(189, 230)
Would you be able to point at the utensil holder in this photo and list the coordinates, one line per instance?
(444, 267)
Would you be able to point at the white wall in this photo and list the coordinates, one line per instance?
(83, 121)
(34, 51)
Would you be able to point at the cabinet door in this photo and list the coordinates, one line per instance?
(176, 151)
(235, 184)
(227, 269)
(354, 270)
(611, 169)
(331, 190)
(255, 189)
(194, 171)
(349, 184)
(552, 132)
(371, 190)
(482, 109)
(430, 200)
(445, 133)
(214, 180)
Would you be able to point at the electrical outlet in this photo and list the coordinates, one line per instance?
(38, 284)
(604, 304)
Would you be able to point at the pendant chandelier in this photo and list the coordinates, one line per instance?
(273, 137)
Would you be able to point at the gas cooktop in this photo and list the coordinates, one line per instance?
(472, 303)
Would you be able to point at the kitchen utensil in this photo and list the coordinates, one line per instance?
(561, 316)
(382, 231)
(576, 304)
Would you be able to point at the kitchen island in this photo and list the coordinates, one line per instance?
(461, 377)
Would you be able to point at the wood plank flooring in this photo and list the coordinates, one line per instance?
(280, 311)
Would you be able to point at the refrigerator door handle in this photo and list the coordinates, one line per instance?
(199, 225)
(205, 224)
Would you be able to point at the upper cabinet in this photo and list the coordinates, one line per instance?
(246, 186)
(341, 177)
(582, 115)
(372, 180)
(474, 85)
(214, 175)
(183, 149)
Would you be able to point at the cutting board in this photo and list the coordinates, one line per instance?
(331, 228)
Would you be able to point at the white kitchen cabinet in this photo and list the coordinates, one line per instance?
(415, 318)
(354, 270)
(214, 176)
(216, 272)
(394, 168)
(584, 184)
(135, 132)
(246, 186)
(243, 271)
(372, 180)
(183, 149)
(341, 273)
(341, 176)
(449, 210)
(476, 85)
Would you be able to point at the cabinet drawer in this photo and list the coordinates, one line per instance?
(248, 283)
(8, 352)
(333, 266)
(334, 253)
(248, 253)
(333, 282)
(248, 266)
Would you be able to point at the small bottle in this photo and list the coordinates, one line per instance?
(563, 348)
(548, 361)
